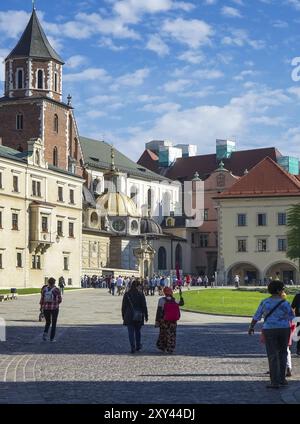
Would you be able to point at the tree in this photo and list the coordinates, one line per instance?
(293, 233)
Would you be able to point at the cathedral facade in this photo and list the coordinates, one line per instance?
(121, 203)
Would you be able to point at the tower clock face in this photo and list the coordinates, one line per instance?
(119, 225)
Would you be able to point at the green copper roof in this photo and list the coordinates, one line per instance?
(97, 154)
(34, 43)
(9, 153)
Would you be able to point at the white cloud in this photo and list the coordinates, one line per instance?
(108, 43)
(132, 79)
(90, 74)
(76, 61)
(102, 99)
(160, 108)
(95, 114)
(191, 57)
(13, 22)
(192, 32)
(131, 11)
(231, 12)
(156, 44)
(176, 86)
(240, 38)
(208, 74)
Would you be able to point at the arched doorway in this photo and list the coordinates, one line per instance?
(178, 256)
(162, 259)
(249, 274)
(285, 271)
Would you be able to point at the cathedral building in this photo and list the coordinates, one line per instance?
(115, 218)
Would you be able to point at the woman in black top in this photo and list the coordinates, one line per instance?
(134, 312)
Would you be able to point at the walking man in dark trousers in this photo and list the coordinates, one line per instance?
(50, 301)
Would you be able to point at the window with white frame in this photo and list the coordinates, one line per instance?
(36, 188)
(55, 82)
(40, 79)
(36, 262)
(20, 79)
(19, 259)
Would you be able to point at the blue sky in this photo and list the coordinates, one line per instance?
(189, 71)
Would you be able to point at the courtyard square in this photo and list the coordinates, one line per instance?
(215, 362)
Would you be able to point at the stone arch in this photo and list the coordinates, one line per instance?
(285, 270)
(247, 271)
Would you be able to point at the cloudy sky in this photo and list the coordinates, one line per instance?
(189, 71)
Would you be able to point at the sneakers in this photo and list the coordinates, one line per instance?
(139, 348)
(284, 383)
(288, 372)
(53, 340)
(45, 337)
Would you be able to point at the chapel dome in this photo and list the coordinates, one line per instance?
(149, 226)
(116, 204)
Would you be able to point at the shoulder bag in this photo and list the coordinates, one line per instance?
(137, 316)
(262, 336)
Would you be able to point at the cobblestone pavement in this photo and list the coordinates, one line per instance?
(215, 360)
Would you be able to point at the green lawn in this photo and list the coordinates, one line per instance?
(31, 291)
(224, 302)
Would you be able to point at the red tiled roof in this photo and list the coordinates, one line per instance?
(185, 168)
(265, 179)
(149, 160)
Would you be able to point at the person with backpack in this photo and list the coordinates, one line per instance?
(167, 315)
(278, 314)
(50, 301)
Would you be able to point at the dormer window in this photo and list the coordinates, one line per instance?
(20, 79)
(40, 79)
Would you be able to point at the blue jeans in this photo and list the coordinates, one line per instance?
(134, 334)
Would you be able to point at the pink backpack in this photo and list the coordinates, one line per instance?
(171, 310)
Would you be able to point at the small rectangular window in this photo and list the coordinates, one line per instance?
(36, 262)
(66, 263)
(72, 197)
(1, 261)
(242, 245)
(281, 218)
(15, 218)
(205, 216)
(261, 219)
(36, 188)
(262, 245)
(19, 121)
(19, 260)
(282, 245)
(60, 194)
(71, 229)
(242, 220)
(55, 82)
(203, 240)
(44, 224)
(60, 228)
(15, 184)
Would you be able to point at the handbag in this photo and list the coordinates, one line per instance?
(262, 335)
(137, 316)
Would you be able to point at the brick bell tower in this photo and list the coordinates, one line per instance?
(32, 105)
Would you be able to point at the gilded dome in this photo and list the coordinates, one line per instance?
(116, 204)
